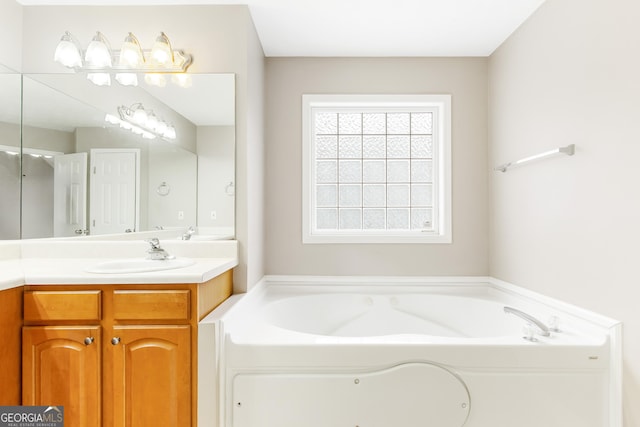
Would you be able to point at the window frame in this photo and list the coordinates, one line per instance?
(441, 103)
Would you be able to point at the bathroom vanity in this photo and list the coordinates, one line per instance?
(112, 349)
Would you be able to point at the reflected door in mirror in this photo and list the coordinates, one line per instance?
(70, 195)
(115, 182)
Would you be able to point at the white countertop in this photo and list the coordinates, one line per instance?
(48, 262)
(72, 271)
(11, 274)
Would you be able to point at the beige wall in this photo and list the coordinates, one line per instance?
(221, 39)
(288, 79)
(250, 220)
(216, 157)
(48, 139)
(569, 226)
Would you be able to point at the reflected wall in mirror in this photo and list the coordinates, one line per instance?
(9, 154)
(84, 175)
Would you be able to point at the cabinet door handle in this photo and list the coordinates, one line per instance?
(88, 340)
(115, 340)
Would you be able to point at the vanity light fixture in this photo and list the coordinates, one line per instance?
(130, 56)
(68, 51)
(98, 55)
(142, 122)
(161, 52)
(100, 61)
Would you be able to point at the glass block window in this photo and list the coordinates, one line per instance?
(376, 169)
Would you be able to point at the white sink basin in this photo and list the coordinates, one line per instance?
(139, 265)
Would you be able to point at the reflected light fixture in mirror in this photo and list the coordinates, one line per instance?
(155, 79)
(11, 151)
(182, 80)
(142, 122)
(110, 118)
(100, 61)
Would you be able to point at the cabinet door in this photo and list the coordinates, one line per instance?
(61, 367)
(148, 371)
(10, 350)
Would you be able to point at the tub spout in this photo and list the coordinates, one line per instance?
(543, 329)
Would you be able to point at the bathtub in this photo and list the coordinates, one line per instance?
(363, 352)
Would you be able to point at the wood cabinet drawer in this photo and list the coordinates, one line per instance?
(62, 306)
(151, 305)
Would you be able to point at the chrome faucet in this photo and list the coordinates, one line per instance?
(156, 252)
(542, 328)
(187, 235)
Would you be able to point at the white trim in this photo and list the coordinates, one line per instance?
(615, 377)
(442, 165)
(375, 280)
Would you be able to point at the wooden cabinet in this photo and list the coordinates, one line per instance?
(150, 372)
(116, 355)
(62, 367)
(10, 350)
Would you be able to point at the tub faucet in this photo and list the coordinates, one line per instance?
(542, 328)
(156, 252)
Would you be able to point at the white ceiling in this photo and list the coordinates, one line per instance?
(369, 27)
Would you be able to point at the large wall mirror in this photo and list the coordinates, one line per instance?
(84, 171)
(10, 95)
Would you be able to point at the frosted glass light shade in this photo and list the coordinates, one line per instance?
(182, 80)
(127, 79)
(161, 128)
(98, 53)
(152, 122)
(67, 52)
(131, 53)
(140, 116)
(110, 118)
(161, 52)
(155, 79)
(170, 132)
(99, 79)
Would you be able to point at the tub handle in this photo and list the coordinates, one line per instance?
(543, 329)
